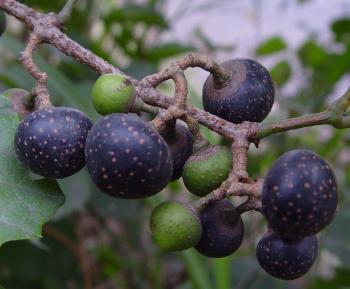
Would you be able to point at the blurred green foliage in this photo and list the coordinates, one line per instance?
(107, 240)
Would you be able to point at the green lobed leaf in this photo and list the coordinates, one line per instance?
(25, 204)
(271, 45)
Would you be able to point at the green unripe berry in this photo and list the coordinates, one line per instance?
(175, 226)
(113, 93)
(205, 170)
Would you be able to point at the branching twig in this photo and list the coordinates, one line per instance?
(40, 91)
(335, 115)
(47, 28)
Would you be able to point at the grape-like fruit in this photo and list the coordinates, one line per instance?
(206, 169)
(248, 96)
(223, 230)
(286, 260)
(175, 226)
(126, 157)
(180, 142)
(113, 93)
(299, 195)
(51, 141)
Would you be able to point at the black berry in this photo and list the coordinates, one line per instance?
(299, 195)
(286, 260)
(126, 157)
(180, 142)
(51, 141)
(222, 230)
(248, 96)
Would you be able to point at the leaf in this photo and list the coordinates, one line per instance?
(340, 280)
(312, 54)
(134, 14)
(271, 45)
(196, 270)
(341, 29)
(25, 204)
(281, 73)
(221, 268)
(166, 50)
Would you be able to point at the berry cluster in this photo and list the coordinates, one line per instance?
(128, 157)
(299, 199)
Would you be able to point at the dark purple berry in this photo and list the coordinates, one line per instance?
(126, 157)
(51, 141)
(180, 142)
(248, 96)
(286, 260)
(222, 230)
(299, 195)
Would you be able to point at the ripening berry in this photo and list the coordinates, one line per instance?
(206, 169)
(51, 141)
(248, 96)
(299, 195)
(223, 230)
(126, 157)
(180, 142)
(175, 226)
(286, 260)
(113, 93)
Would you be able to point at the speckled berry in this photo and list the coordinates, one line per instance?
(113, 93)
(180, 142)
(175, 226)
(206, 169)
(286, 260)
(223, 230)
(126, 157)
(248, 96)
(51, 141)
(2, 22)
(299, 195)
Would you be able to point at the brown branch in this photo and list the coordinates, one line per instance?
(232, 188)
(177, 110)
(47, 28)
(335, 115)
(26, 57)
(52, 34)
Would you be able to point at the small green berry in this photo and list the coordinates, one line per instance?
(205, 170)
(175, 226)
(113, 93)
